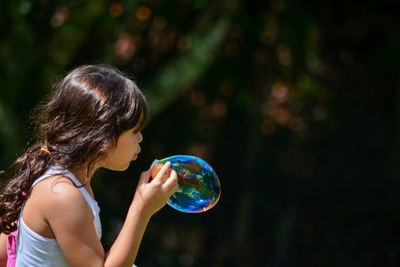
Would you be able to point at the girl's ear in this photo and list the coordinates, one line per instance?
(111, 145)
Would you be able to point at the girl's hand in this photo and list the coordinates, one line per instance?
(152, 195)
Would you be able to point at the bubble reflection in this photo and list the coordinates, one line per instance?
(199, 187)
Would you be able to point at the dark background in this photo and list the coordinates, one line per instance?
(295, 104)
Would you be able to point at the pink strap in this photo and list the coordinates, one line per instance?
(12, 248)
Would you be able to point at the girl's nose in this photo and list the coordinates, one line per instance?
(140, 137)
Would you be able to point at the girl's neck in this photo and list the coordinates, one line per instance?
(84, 178)
(82, 174)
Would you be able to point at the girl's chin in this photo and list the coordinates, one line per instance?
(123, 167)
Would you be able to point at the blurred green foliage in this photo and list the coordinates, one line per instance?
(295, 104)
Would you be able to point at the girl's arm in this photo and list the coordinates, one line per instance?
(149, 198)
(3, 250)
(73, 226)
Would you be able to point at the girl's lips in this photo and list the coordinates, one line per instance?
(137, 154)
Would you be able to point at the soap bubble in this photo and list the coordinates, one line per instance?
(199, 188)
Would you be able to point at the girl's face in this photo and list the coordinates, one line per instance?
(127, 150)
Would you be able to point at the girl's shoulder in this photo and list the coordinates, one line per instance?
(56, 187)
(53, 202)
(59, 192)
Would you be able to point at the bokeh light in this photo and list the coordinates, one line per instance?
(143, 13)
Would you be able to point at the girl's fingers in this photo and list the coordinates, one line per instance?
(174, 189)
(171, 182)
(162, 173)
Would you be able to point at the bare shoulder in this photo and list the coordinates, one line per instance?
(69, 219)
(53, 202)
(58, 194)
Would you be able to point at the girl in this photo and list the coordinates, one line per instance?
(93, 120)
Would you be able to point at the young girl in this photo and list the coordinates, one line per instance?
(93, 120)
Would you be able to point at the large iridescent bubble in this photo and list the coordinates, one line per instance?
(199, 188)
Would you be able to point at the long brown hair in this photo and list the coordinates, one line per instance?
(87, 111)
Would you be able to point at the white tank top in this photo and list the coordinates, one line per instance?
(36, 250)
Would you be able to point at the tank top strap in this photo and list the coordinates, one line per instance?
(57, 170)
(54, 170)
